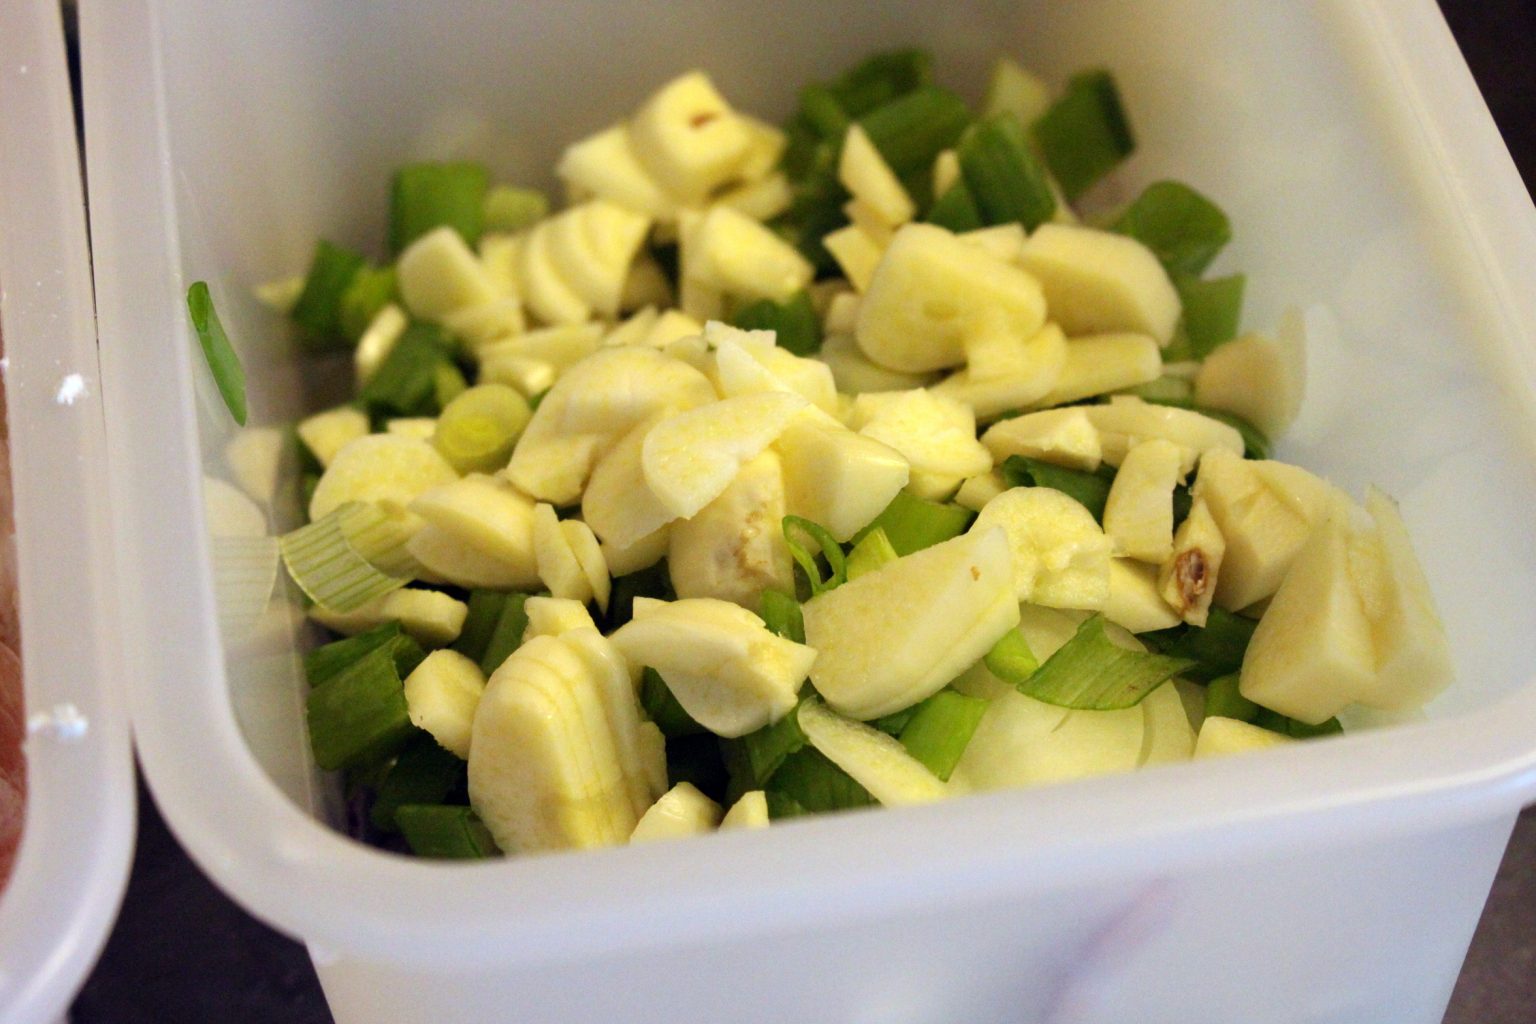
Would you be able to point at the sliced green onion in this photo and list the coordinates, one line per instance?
(223, 363)
(244, 573)
(813, 782)
(324, 662)
(912, 130)
(783, 616)
(661, 706)
(880, 78)
(782, 806)
(1011, 660)
(318, 311)
(822, 111)
(424, 773)
(350, 556)
(837, 567)
(1212, 311)
(508, 634)
(697, 760)
(1092, 673)
(955, 210)
(912, 524)
(445, 833)
(1163, 389)
(653, 582)
(1091, 490)
(430, 195)
(370, 291)
(1222, 700)
(794, 322)
(893, 723)
(477, 430)
(509, 208)
(1004, 177)
(940, 729)
(1217, 649)
(358, 717)
(870, 553)
(1085, 134)
(1184, 228)
(480, 621)
(406, 384)
(763, 752)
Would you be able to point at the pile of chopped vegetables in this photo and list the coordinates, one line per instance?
(803, 469)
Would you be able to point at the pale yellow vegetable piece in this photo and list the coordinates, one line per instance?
(326, 433)
(430, 616)
(749, 811)
(448, 557)
(1063, 437)
(946, 171)
(1168, 738)
(1126, 420)
(734, 549)
(589, 556)
(1221, 736)
(1100, 363)
(1255, 378)
(422, 427)
(378, 341)
(386, 468)
(672, 325)
(487, 514)
(1135, 601)
(1098, 281)
(874, 760)
(605, 165)
(933, 294)
(837, 478)
(618, 504)
(642, 554)
(438, 274)
(549, 296)
(681, 812)
(646, 285)
(1025, 742)
(691, 457)
(856, 375)
(763, 152)
(842, 315)
(1138, 516)
(722, 664)
(864, 172)
(441, 695)
(478, 326)
(980, 489)
(558, 566)
(561, 346)
(744, 369)
(872, 660)
(1015, 90)
(592, 247)
(762, 200)
(1005, 241)
(935, 433)
(689, 138)
(634, 330)
(857, 252)
(498, 255)
(735, 254)
(1028, 371)
(1188, 578)
(229, 512)
(552, 616)
(255, 457)
(280, 295)
(1060, 556)
(869, 220)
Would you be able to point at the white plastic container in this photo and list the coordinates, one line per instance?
(73, 861)
(1330, 882)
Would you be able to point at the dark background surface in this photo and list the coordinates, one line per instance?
(183, 954)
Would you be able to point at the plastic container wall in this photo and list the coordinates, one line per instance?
(73, 861)
(1367, 185)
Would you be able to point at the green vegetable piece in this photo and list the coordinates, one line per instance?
(358, 716)
(405, 384)
(870, 553)
(823, 113)
(370, 291)
(782, 806)
(1217, 649)
(1222, 700)
(1005, 180)
(812, 781)
(485, 607)
(1184, 228)
(1183, 501)
(912, 524)
(1167, 389)
(837, 567)
(429, 195)
(1092, 673)
(1091, 490)
(783, 616)
(349, 556)
(1085, 134)
(424, 773)
(324, 662)
(956, 210)
(477, 430)
(1011, 660)
(661, 706)
(509, 208)
(880, 78)
(223, 363)
(912, 130)
(893, 723)
(1276, 722)
(698, 760)
(761, 753)
(941, 728)
(1212, 311)
(794, 322)
(318, 311)
(508, 634)
(445, 833)
(653, 582)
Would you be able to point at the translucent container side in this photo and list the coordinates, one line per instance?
(1351, 198)
(78, 836)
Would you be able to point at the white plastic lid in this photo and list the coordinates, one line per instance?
(72, 866)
